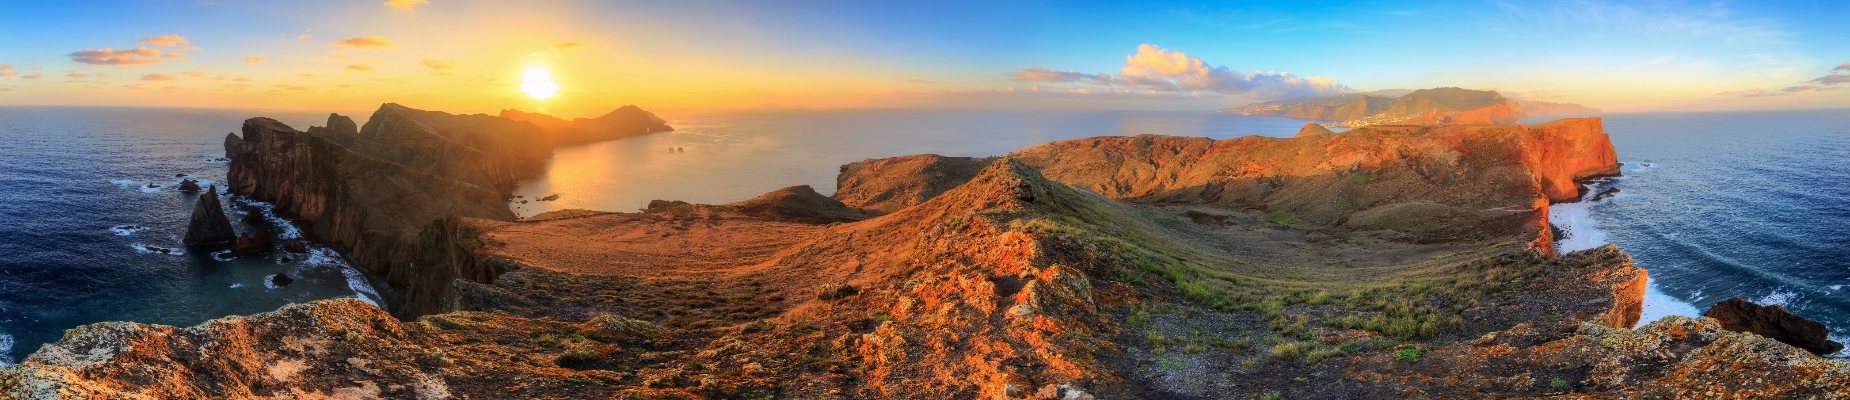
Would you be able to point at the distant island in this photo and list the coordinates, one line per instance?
(1446, 105)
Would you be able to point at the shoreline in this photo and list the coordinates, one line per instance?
(1581, 232)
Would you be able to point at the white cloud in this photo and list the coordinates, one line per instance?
(1162, 70)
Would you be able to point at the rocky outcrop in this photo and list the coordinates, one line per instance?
(481, 150)
(626, 121)
(189, 185)
(889, 184)
(1774, 322)
(800, 204)
(1312, 130)
(208, 224)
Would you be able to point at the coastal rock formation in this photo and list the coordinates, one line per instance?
(889, 184)
(626, 121)
(208, 224)
(800, 204)
(485, 151)
(255, 242)
(189, 185)
(374, 207)
(1774, 322)
(1312, 130)
(1004, 287)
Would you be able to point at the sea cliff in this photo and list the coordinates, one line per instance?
(1383, 262)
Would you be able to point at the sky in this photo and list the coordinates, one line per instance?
(474, 56)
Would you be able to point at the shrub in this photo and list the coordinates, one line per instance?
(1408, 354)
(1558, 384)
(1289, 351)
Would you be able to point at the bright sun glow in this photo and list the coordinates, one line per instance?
(538, 83)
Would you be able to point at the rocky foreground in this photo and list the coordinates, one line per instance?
(1382, 262)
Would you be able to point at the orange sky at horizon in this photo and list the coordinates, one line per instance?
(469, 57)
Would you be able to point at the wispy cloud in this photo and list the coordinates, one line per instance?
(8, 73)
(305, 34)
(164, 40)
(195, 74)
(110, 56)
(405, 5)
(440, 67)
(567, 46)
(1845, 67)
(1157, 69)
(253, 59)
(360, 68)
(366, 42)
(157, 77)
(1822, 83)
(74, 74)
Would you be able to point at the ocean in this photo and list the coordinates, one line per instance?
(1750, 204)
(1725, 204)
(81, 232)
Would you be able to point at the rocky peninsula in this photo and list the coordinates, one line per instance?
(1387, 261)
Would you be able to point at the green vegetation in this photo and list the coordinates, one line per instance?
(1558, 384)
(1408, 354)
(1362, 179)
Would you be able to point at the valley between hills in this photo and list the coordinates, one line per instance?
(1410, 260)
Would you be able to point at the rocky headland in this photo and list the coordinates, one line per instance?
(1381, 262)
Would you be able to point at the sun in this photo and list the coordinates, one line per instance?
(538, 83)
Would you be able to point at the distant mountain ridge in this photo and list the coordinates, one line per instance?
(623, 122)
(1446, 105)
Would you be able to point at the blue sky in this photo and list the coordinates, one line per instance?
(1621, 56)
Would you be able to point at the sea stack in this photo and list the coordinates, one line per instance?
(208, 224)
(1774, 322)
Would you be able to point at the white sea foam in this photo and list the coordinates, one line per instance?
(215, 160)
(150, 249)
(1658, 305)
(319, 256)
(6, 347)
(237, 285)
(1837, 287)
(1580, 232)
(1778, 297)
(127, 230)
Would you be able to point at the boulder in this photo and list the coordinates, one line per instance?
(209, 224)
(1774, 322)
(189, 185)
(295, 246)
(281, 280)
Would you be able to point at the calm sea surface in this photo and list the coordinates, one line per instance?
(1750, 204)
